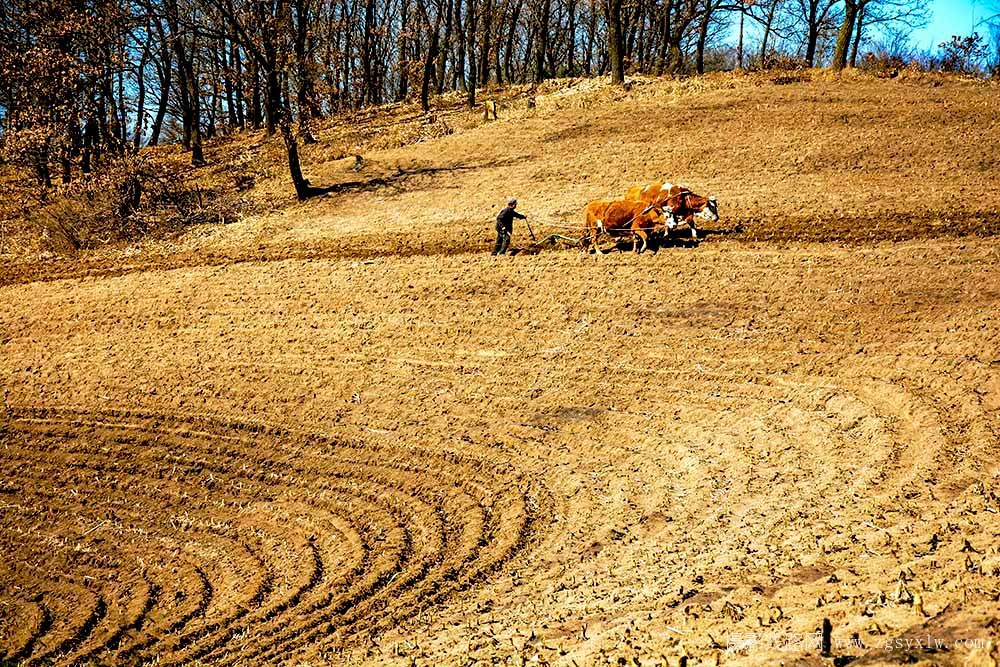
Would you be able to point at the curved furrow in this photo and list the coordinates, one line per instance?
(254, 553)
(32, 623)
(170, 625)
(379, 551)
(426, 542)
(96, 610)
(136, 614)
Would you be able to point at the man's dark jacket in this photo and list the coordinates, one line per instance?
(505, 220)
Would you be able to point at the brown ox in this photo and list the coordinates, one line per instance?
(622, 218)
(678, 202)
(595, 218)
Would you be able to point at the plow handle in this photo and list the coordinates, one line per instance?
(529, 230)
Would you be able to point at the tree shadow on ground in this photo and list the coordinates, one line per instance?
(400, 176)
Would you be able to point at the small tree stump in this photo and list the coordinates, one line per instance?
(489, 110)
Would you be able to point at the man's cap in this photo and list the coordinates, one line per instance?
(511, 202)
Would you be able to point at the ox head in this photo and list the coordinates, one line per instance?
(664, 214)
(659, 211)
(711, 210)
(673, 206)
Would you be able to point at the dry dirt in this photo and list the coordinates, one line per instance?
(341, 433)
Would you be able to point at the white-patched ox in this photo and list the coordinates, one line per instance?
(680, 205)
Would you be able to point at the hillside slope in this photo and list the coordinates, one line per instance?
(340, 433)
(790, 158)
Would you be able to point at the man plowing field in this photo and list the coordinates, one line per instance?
(505, 226)
(644, 212)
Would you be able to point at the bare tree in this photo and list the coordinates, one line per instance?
(858, 14)
(816, 16)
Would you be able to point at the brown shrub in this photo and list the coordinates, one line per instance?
(781, 62)
(126, 200)
(883, 65)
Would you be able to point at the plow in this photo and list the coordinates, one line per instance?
(557, 238)
(567, 237)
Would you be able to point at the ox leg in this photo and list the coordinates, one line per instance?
(639, 249)
(595, 235)
(694, 229)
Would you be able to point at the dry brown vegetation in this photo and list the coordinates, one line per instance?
(339, 432)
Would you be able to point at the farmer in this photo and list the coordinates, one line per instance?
(505, 225)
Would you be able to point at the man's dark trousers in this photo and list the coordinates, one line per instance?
(503, 240)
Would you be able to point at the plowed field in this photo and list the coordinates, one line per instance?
(346, 435)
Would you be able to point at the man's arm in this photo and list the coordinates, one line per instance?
(518, 215)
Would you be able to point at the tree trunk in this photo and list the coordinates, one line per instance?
(403, 54)
(165, 74)
(442, 55)
(121, 112)
(256, 104)
(214, 104)
(591, 38)
(661, 58)
(228, 67)
(484, 49)
(42, 168)
(368, 53)
(305, 95)
(273, 105)
(768, 23)
(859, 28)
(641, 57)
(472, 19)
(347, 56)
(140, 100)
(613, 9)
(703, 37)
(844, 36)
(571, 39)
(812, 33)
(280, 105)
(461, 27)
(509, 51)
(631, 23)
(425, 87)
(542, 44)
(739, 46)
(91, 135)
(73, 149)
(197, 156)
(187, 84)
(302, 189)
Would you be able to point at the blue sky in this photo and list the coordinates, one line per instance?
(953, 17)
